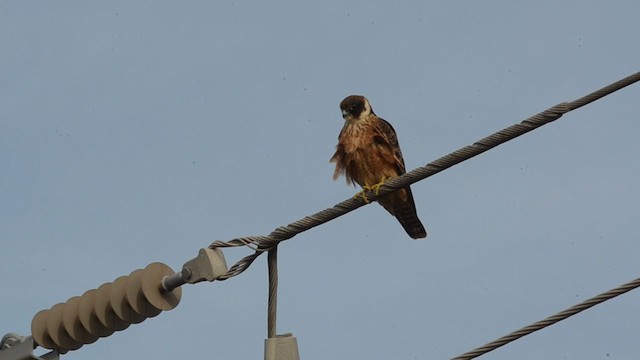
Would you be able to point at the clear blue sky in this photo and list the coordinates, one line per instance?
(139, 131)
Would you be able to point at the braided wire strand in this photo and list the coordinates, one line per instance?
(550, 320)
(272, 307)
(261, 244)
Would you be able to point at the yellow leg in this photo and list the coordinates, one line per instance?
(375, 188)
(362, 193)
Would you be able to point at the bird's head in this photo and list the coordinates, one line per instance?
(355, 107)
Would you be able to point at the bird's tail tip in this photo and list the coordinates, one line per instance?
(419, 233)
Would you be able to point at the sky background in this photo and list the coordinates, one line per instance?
(140, 131)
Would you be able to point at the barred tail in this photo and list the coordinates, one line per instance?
(404, 209)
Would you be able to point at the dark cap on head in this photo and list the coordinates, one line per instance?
(353, 105)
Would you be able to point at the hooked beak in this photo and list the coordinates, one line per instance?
(344, 114)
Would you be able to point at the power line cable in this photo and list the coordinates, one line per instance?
(261, 244)
(549, 321)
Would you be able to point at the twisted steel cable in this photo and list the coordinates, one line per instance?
(550, 320)
(272, 307)
(261, 244)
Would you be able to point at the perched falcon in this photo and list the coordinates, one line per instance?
(368, 153)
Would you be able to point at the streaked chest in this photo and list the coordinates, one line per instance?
(357, 136)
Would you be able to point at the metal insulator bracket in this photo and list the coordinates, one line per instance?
(16, 347)
(207, 266)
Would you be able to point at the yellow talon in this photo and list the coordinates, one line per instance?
(362, 194)
(375, 188)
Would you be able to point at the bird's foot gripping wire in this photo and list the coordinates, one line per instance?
(375, 188)
(362, 194)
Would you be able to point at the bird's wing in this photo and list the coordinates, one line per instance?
(385, 136)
